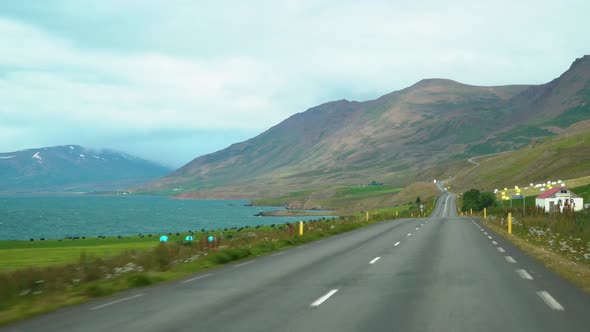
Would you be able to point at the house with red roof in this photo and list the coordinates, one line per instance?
(559, 198)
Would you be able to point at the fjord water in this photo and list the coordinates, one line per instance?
(34, 216)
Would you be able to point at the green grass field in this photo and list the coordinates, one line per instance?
(56, 254)
(358, 192)
(18, 254)
(283, 200)
(344, 199)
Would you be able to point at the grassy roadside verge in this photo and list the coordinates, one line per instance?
(21, 254)
(25, 292)
(576, 272)
(295, 213)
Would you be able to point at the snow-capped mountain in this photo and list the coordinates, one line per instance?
(74, 168)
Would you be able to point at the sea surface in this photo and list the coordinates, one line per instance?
(49, 216)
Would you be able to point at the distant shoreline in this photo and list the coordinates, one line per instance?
(45, 193)
(296, 213)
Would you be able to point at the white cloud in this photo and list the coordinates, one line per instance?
(113, 69)
(131, 90)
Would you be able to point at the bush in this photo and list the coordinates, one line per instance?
(162, 257)
(139, 280)
(96, 290)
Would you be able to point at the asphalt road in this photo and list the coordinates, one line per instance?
(443, 273)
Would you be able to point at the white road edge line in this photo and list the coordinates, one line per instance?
(278, 253)
(117, 301)
(500, 249)
(550, 301)
(524, 274)
(489, 237)
(495, 243)
(238, 265)
(199, 277)
(374, 260)
(396, 244)
(323, 298)
(509, 259)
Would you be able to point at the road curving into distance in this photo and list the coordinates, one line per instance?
(442, 273)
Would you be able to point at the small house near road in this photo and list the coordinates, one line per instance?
(558, 198)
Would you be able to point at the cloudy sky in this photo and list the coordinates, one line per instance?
(171, 80)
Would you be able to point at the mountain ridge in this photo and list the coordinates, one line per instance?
(391, 138)
(74, 168)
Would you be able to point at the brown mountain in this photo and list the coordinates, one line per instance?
(389, 139)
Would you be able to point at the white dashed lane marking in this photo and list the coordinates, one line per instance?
(374, 260)
(409, 234)
(550, 301)
(494, 242)
(524, 274)
(509, 259)
(500, 249)
(323, 298)
(397, 244)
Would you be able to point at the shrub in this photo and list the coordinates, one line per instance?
(96, 290)
(162, 257)
(139, 280)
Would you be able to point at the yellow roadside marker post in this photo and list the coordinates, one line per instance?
(509, 223)
(484, 213)
(470, 212)
(367, 216)
(300, 228)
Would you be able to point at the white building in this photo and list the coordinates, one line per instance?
(555, 199)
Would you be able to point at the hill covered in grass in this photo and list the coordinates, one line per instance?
(392, 139)
(566, 156)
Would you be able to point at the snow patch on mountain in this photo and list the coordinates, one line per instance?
(38, 157)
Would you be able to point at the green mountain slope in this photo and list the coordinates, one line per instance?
(566, 156)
